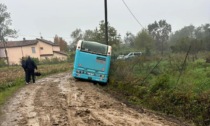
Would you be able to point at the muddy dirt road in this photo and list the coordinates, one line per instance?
(60, 100)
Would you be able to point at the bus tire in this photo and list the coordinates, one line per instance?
(103, 84)
(94, 82)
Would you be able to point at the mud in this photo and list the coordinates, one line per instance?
(60, 100)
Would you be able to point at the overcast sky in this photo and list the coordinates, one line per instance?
(49, 17)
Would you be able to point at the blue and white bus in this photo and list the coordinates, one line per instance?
(92, 61)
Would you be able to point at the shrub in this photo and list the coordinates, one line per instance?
(70, 57)
(208, 59)
(51, 61)
(161, 83)
(116, 70)
(2, 63)
(36, 60)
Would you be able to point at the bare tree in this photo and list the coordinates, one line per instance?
(5, 30)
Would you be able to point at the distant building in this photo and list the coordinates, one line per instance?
(38, 48)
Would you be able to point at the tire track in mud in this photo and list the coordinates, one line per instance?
(51, 104)
(60, 100)
(39, 104)
(20, 109)
(94, 107)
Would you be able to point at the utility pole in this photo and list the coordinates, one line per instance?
(106, 24)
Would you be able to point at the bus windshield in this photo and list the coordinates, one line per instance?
(93, 47)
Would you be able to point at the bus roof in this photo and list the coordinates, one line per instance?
(93, 42)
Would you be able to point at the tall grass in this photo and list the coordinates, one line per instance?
(167, 87)
(7, 89)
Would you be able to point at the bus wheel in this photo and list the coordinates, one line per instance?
(102, 84)
(94, 82)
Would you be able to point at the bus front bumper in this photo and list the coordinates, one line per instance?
(91, 76)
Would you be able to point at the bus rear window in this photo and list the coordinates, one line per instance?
(93, 47)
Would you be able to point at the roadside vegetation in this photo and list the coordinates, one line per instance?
(163, 85)
(12, 77)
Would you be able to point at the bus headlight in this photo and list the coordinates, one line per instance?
(80, 71)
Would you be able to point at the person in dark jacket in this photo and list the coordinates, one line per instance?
(30, 67)
(23, 64)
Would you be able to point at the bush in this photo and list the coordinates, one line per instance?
(162, 83)
(51, 61)
(70, 57)
(2, 63)
(36, 60)
(147, 52)
(208, 59)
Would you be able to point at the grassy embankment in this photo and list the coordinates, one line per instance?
(166, 85)
(12, 78)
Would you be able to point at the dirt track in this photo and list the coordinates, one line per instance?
(60, 100)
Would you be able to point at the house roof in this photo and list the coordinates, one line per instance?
(18, 43)
(47, 42)
(10, 44)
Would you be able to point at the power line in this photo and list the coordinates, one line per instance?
(132, 13)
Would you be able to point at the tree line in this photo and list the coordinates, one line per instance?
(157, 37)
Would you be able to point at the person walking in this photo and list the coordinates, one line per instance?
(30, 68)
(23, 64)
